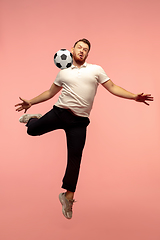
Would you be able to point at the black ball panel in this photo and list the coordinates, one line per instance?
(63, 57)
(55, 55)
(58, 65)
(68, 65)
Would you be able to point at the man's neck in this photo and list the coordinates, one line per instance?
(77, 64)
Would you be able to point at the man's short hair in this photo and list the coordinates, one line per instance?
(85, 41)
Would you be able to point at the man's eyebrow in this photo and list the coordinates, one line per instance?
(82, 47)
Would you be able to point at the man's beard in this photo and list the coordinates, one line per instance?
(78, 60)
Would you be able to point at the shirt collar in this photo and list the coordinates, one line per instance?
(84, 65)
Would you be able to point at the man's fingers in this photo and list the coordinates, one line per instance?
(146, 103)
(19, 104)
(19, 109)
(150, 98)
(21, 99)
(145, 97)
(141, 97)
(24, 105)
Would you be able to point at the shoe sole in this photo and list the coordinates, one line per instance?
(62, 202)
(25, 118)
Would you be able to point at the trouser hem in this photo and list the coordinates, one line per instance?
(68, 188)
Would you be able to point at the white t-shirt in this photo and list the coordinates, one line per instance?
(79, 87)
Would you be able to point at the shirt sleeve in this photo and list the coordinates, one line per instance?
(58, 80)
(102, 76)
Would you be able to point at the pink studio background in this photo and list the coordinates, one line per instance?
(118, 192)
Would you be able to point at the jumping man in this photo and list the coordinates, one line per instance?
(71, 112)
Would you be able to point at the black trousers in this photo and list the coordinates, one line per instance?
(75, 129)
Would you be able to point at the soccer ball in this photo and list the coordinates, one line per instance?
(63, 59)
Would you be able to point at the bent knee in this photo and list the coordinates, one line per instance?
(31, 131)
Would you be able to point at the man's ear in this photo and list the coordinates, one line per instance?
(72, 50)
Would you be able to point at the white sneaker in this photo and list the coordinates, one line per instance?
(66, 205)
(25, 118)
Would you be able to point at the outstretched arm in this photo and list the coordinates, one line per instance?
(26, 104)
(120, 92)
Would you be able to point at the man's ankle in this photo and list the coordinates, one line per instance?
(69, 195)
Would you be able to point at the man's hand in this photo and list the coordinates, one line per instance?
(120, 92)
(141, 97)
(24, 105)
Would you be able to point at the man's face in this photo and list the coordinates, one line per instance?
(80, 52)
